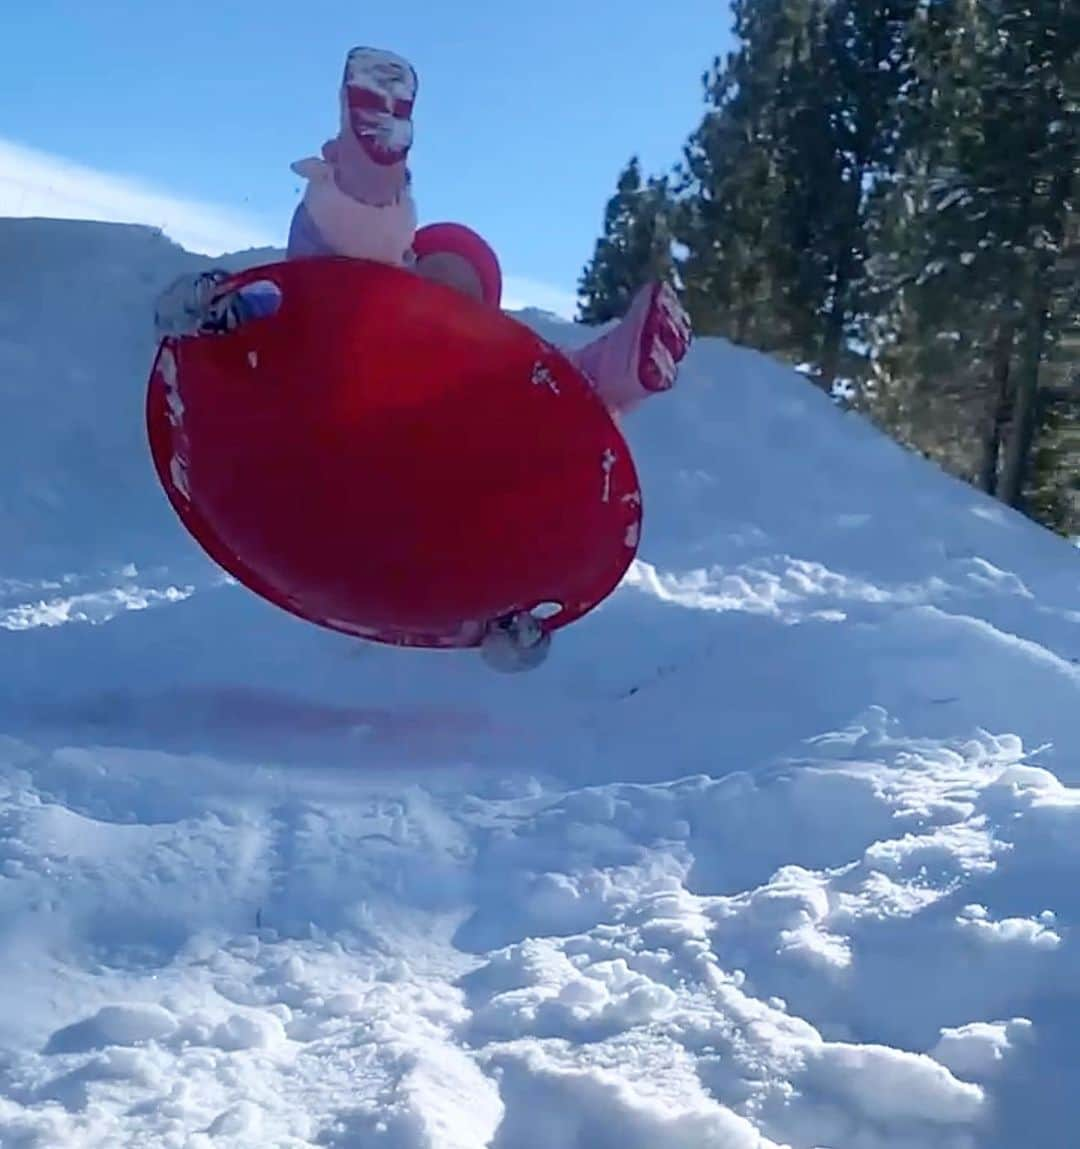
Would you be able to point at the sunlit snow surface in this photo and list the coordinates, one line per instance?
(779, 849)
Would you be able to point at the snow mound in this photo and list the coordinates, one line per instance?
(779, 849)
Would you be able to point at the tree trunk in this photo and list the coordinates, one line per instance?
(1025, 408)
(836, 319)
(997, 409)
(832, 338)
(1036, 326)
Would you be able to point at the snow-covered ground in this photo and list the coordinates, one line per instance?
(781, 848)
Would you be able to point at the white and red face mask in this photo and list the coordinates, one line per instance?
(378, 94)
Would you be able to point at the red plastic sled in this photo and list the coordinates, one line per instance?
(387, 458)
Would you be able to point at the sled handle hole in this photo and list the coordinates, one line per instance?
(547, 609)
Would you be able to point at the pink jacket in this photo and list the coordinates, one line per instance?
(354, 227)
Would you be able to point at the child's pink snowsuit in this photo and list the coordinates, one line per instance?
(358, 203)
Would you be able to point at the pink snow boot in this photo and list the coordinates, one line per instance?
(639, 357)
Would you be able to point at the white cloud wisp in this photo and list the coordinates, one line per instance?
(37, 184)
(34, 183)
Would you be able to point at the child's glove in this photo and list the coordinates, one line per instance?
(188, 306)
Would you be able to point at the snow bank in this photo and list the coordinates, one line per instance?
(780, 848)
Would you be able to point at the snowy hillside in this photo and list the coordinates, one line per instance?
(779, 849)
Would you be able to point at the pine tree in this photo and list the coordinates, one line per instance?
(780, 175)
(729, 191)
(970, 243)
(888, 191)
(634, 249)
(941, 351)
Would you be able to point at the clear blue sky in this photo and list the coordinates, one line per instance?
(526, 111)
